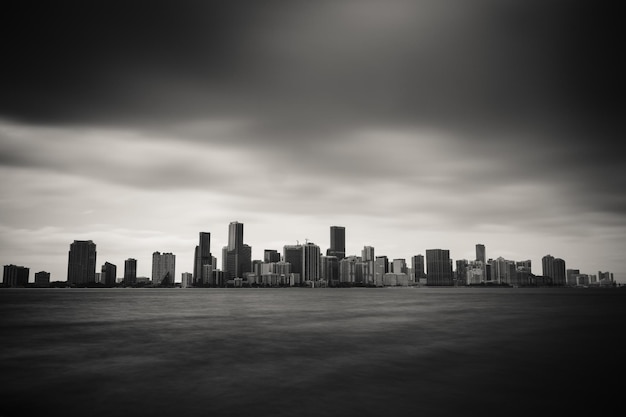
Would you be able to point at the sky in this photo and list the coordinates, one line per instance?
(414, 124)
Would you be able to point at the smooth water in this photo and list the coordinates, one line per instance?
(310, 352)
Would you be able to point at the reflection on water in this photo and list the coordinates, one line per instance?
(305, 352)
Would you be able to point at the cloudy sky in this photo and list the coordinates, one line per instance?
(414, 124)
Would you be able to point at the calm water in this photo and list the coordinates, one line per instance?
(310, 352)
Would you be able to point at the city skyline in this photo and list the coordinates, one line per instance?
(415, 125)
(437, 260)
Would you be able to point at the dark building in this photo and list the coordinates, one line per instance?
(203, 258)
(461, 272)
(81, 267)
(15, 276)
(417, 262)
(555, 269)
(237, 256)
(109, 274)
(439, 267)
(481, 253)
(42, 279)
(130, 271)
(271, 255)
(293, 255)
(337, 242)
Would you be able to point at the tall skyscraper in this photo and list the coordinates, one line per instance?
(399, 266)
(163, 269)
(439, 267)
(293, 255)
(15, 276)
(381, 267)
(554, 268)
(238, 256)
(337, 242)
(202, 258)
(417, 263)
(130, 271)
(310, 262)
(109, 272)
(329, 269)
(481, 253)
(81, 265)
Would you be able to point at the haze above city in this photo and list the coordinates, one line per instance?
(416, 125)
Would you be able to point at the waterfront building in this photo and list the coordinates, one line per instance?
(329, 269)
(439, 267)
(367, 254)
(186, 280)
(237, 256)
(555, 269)
(109, 274)
(381, 267)
(163, 269)
(271, 255)
(310, 262)
(460, 276)
(337, 242)
(202, 258)
(293, 255)
(42, 279)
(417, 265)
(130, 271)
(81, 265)
(15, 276)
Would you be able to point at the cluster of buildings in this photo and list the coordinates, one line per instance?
(305, 265)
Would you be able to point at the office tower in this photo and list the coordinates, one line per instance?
(202, 257)
(367, 254)
(570, 276)
(15, 276)
(42, 279)
(109, 273)
(329, 269)
(481, 254)
(461, 272)
(271, 255)
(237, 255)
(310, 262)
(347, 270)
(381, 267)
(524, 265)
(186, 280)
(417, 263)
(337, 242)
(81, 265)
(130, 271)
(504, 272)
(438, 267)
(163, 269)
(293, 255)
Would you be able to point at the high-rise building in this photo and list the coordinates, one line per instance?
(271, 255)
(310, 262)
(461, 272)
(481, 253)
(417, 264)
(337, 242)
(163, 269)
(81, 265)
(130, 271)
(381, 267)
(438, 267)
(399, 266)
(202, 257)
(329, 269)
(15, 276)
(293, 255)
(347, 269)
(367, 254)
(109, 272)
(42, 279)
(237, 255)
(555, 269)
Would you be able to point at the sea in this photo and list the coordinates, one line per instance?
(312, 351)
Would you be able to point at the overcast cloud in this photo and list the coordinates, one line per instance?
(414, 124)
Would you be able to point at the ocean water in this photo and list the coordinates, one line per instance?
(311, 352)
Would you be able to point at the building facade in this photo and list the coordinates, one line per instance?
(81, 265)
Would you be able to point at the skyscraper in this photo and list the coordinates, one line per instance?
(42, 279)
(337, 242)
(15, 276)
(293, 255)
(310, 262)
(202, 258)
(130, 271)
(367, 254)
(271, 255)
(81, 265)
(481, 254)
(163, 269)
(554, 268)
(439, 267)
(417, 263)
(109, 272)
(237, 255)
